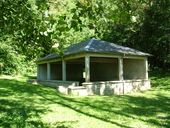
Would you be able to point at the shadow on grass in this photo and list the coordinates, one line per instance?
(23, 90)
(17, 107)
(76, 106)
(145, 107)
(15, 112)
(18, 115)
(104, 108)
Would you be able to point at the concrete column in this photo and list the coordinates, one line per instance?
(120, 72)
(63, 70)
(146, 68)
(48, 71)
(38, 72)
(87, 69)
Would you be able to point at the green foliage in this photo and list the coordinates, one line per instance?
(154, 36)
(11, 62)
(23, 33)
(27, 25)
(9, 59)
(35, 26)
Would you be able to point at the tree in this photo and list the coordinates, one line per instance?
(35, 26)
(154, 34)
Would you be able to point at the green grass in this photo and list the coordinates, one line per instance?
(23, 105)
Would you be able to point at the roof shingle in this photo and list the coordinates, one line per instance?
(97, 46)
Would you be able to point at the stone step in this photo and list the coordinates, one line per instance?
(78, 91)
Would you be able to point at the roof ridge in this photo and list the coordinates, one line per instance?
(89, 44)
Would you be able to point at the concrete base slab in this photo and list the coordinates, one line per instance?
(99, 88)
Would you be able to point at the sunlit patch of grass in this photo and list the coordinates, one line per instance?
(26, 105)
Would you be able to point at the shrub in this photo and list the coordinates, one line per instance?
(11, 62)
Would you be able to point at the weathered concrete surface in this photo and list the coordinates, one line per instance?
(78, 91)
(66, 87)
(61, 86)
(98, 88)
(116, 87)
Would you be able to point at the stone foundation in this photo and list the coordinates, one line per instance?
(78, 91)
(98, 88)
(61, 86)
(116, 87)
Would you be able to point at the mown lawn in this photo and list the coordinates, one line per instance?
(23, 105)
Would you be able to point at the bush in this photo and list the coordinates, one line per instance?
(11, 62)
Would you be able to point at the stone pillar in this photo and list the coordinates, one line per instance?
(38, 72)
(146, 68)
(63, 70)
(87, 68)
(120, 72)
(48, 71)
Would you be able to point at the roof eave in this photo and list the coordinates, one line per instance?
(47, 60)
(110, 53)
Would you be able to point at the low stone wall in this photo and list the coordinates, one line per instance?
(61, 86)
(116, 87)
(98, 88)
(78, 91)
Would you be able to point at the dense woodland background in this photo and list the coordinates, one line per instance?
(29, 28)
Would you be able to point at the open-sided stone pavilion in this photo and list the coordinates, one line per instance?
(95, 67)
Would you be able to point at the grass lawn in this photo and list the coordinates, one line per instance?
(23, 105)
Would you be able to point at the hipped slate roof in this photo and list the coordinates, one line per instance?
(96, 46)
